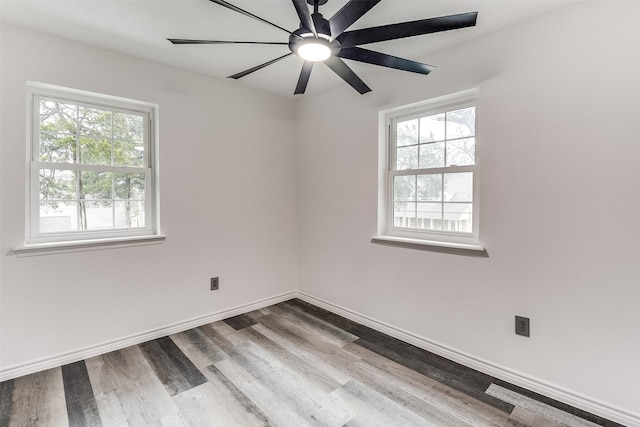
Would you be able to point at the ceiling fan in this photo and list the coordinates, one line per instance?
(322, 40)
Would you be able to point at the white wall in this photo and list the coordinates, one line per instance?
(228, 205)
(560, 167)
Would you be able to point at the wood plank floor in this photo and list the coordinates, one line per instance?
(291, 364)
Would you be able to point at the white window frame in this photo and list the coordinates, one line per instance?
(387, 231)
(34, 240)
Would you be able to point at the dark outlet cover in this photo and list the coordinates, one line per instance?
(215, 283)
(522, 326)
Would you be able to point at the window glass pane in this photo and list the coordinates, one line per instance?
(127, 153)
(404, 187)
(94, 122)
(430, 216)
(58, 216)
(95, 185)
(461, 123)
(430, 187)
(404, 214)
(96, 215)
(458, 217)
(58, 117)
(458, 187)
(129, 186)
(407, 133)
(95, 151)
(407, 158)
(57, 184)
(461, 152)
(438, 196)
(432, 155)
(104, 158)
(128, 127)
(57, 147)
(432, 128)
(129, 214)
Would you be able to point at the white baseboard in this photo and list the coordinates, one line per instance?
(577, 400)
(106, 347)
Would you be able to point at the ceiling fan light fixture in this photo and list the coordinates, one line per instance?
(314, 49)
(318, 39)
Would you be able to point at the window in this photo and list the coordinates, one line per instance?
(92, 171)
(429, 172)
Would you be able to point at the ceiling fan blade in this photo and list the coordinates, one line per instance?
(304, 78)
(305, 17)
(384, 60)
(249, 14)
(258, 67)
(188, 41)
(407, 29)
(349, 14)
(338, 66)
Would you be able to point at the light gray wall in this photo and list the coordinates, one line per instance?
(228, 205)
(560, 167)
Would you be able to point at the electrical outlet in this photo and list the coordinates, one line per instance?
(522, 326)
(215, 283)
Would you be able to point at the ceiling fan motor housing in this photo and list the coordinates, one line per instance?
(304, 35)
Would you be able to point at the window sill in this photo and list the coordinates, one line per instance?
(432, 245)
(37, 249)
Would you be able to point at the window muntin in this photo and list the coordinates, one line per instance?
(91, 167)
(432, 174)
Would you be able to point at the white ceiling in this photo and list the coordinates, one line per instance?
(139, 28)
